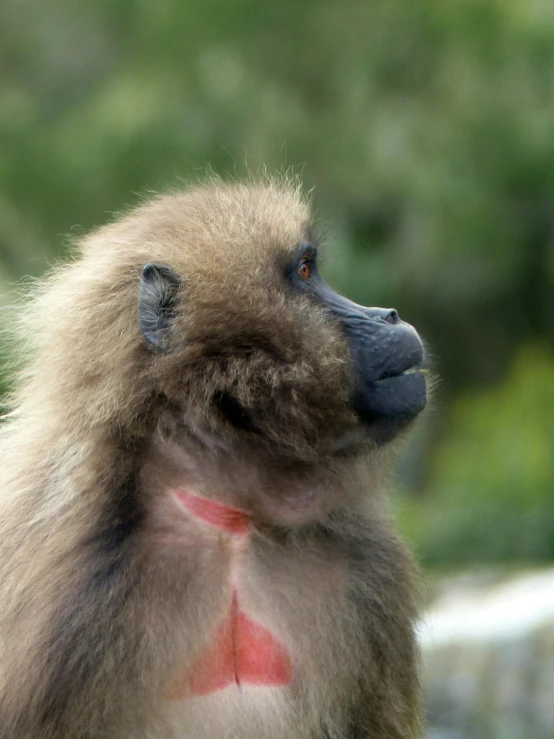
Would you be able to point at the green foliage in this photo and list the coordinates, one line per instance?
(491, 494)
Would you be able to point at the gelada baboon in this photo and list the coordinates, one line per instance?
(192, 538)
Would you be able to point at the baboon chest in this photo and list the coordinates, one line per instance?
(240, 649)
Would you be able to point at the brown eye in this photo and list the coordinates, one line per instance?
(305, 270)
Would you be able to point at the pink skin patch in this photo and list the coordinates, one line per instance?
(241, 650)
(223, 517)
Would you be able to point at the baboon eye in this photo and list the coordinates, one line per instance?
(305, 268)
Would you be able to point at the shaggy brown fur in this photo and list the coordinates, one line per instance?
(106, 590)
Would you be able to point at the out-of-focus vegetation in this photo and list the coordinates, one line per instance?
(427, 130)
(490, 495)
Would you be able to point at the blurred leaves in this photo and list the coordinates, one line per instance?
(490, 494)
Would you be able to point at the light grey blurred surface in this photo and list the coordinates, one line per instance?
(488, 651)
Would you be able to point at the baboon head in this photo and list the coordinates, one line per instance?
(256, 341)
(201, 317)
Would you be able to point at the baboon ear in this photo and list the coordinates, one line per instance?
(157, 305)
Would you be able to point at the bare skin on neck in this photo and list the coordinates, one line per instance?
(241, 651)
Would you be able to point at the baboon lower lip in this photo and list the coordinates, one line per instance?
(389, 404)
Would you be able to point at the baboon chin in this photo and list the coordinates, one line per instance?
(193, 542)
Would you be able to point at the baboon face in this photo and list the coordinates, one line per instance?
(263, 346)
(385, 354)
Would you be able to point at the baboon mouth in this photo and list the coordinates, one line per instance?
(387, 405)
(412, 371)
(416, 370)
(404, 373)
(404, 366)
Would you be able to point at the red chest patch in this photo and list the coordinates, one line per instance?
(221, 516)
(241, 651)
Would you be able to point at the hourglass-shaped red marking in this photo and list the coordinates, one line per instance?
(241, 650)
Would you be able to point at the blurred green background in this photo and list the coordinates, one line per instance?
(426, 130)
